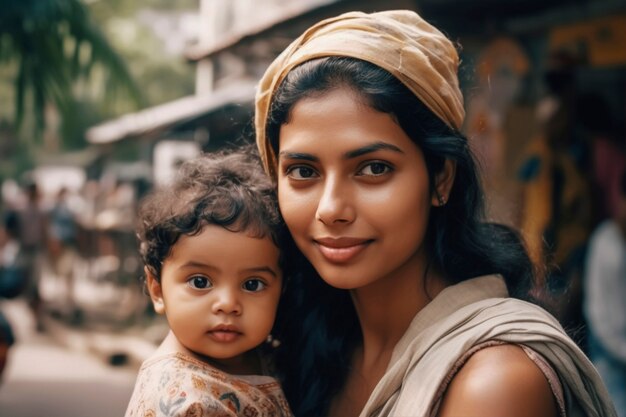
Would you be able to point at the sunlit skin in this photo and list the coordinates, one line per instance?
(499, 381)
(219, 291)
(355, 193)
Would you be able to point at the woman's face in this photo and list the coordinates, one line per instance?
(353, 189)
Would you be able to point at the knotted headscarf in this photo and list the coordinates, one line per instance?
(399, 41)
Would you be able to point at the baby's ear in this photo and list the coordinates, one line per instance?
(154, 288)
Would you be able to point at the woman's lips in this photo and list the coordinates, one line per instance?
(341, 250)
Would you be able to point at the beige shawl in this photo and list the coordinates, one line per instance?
(463, 316)
(399, 41)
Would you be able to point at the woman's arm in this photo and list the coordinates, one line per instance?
(499, 381)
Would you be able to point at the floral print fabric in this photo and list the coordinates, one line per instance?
(176, 385)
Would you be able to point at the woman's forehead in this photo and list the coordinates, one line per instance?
(336, 117)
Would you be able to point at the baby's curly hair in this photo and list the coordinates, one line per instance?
(227, 188)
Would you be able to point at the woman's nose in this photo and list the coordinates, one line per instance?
(226, 302)
(335, 205)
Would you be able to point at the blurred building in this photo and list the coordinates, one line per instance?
(508, 49)
(505, 50)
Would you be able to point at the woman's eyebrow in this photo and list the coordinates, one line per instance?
(298, 155)
(377, 146)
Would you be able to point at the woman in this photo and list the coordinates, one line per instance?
(418, 311)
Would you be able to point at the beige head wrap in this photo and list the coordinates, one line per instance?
(399, 41)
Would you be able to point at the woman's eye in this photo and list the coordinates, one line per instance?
(375, 169)
(254, 285)
(301, 172)
(199, 282)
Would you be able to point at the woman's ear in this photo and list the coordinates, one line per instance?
(443, 184)
(154, 288)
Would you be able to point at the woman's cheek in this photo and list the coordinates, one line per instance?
(288, 203)
(296, 207)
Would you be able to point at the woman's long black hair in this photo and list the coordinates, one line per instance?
(320, 328)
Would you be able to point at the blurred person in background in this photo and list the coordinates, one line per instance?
(558, 209)
(605, 292)
(12, 278)
(62, 241)
(12, 261)
(32, 237)
(6, 341)
(608, 152)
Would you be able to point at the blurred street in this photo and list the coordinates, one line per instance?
(44, 378)
(67, 371)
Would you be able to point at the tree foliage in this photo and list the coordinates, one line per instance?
(52, 44)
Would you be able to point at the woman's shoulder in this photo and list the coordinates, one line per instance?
(499, 380)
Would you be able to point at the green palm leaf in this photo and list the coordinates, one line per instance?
(54, 43)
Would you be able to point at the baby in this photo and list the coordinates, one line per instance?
(209, 243)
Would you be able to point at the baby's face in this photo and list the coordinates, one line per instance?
(219, 291)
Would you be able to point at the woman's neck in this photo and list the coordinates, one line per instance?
(386, 308)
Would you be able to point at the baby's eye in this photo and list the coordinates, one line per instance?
(375, 169)
(300, 172)
(199, 282)
(254, 285)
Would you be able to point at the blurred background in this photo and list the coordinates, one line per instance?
(101, 100)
